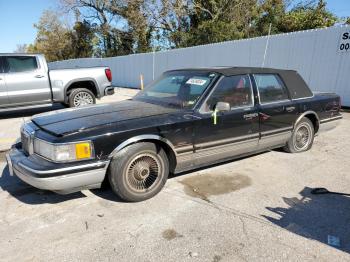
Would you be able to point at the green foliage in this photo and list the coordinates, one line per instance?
(83, 39)
(306, 17)
(119, 27)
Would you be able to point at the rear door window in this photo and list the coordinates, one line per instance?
(17, 64)
(271, 88)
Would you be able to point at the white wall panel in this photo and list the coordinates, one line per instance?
(313, 53)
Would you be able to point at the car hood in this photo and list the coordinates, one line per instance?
(68, 121)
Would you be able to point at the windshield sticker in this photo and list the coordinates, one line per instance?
(196, 81)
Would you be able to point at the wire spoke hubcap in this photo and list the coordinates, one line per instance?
(143, 172)
(302, 137)
(83, 98)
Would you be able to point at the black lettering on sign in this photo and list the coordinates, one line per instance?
(344, 45)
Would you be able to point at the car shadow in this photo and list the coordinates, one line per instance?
(324, 217)
(29, 112)
(31, 195)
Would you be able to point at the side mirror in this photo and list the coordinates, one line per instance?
(222, 107)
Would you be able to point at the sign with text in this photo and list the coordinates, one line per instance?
(344, 45)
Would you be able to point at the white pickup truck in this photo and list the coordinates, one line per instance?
(27, 82)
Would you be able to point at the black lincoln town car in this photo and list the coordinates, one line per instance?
(186, 119)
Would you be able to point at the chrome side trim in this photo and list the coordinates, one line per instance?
(304, 114)
(140, 138)
(331, 119)
(222, 152)
(184, 149)
(274, 139)
(226, 141)
(99, 164)
(279, 130)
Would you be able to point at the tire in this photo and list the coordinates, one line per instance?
(138, 172)
(302, 137)
(80, 97)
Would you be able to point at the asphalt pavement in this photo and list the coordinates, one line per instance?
(258, 208)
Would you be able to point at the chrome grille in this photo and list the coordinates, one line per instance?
(25, 139)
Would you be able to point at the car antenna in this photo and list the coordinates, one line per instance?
(267, 45)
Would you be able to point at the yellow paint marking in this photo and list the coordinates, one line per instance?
(4, 140)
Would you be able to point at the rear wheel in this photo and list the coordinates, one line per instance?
(139, 171)
(81, 97)
(302, 137)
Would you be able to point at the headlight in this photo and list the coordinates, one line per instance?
(64, 152)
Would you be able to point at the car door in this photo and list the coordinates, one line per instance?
(26, 80)
(221, 135)
(3, 91)
(276, 110)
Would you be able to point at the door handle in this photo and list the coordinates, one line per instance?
(250, 116)
(290, 108)
(39, 76)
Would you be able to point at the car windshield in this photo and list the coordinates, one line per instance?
(180, 89)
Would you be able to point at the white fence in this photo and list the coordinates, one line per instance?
(321, 56)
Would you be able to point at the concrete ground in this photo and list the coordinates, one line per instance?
(254, 209)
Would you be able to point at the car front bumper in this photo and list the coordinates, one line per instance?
(60, 178)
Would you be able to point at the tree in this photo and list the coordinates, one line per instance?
(304, 17)
(83, 39)
(106, 28)
(108, 16)
(53, 38)
(138, 27)
(21, 48)
(221, 20)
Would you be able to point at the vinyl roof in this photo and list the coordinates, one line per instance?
(228, 71)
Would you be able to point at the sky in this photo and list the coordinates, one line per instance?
(18, 16)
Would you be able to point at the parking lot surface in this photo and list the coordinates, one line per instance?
(257, 208)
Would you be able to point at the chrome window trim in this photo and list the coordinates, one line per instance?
(301, 98)
(201, 111)
(274, 102)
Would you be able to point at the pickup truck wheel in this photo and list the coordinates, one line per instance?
(302, 137)
(138, 172)
(81, 97)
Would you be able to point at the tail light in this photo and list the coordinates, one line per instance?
(108, 73)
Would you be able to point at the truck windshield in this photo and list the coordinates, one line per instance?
(180, 89)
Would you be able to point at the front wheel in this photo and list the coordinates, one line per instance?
(139, 171)
(81, 97)
(302, 137)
